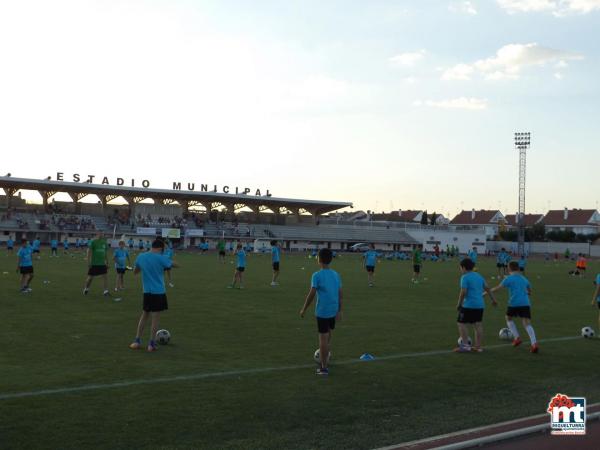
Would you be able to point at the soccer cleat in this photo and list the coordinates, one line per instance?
(517, 341)
(477, 349)
(116, 289)
(323, 372)
(462, 349)
(106, 293)
(24, 290)
(534, 348)
(231, 286)
(152, 346)
(171, 285)
(136, 345)
(85, 291)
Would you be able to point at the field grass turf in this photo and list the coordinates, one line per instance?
(57, 338)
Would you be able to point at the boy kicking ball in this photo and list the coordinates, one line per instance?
(470, 306)
(152, 265)
(326, 284)
(518, 304)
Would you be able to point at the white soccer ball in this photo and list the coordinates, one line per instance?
(587, 332)
(163, 337)
(460, 342)
(317, 356)
(505, 334)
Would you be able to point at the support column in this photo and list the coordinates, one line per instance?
(76, 196)
(45, 197)
(10, 192)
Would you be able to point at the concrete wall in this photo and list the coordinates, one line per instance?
(548, 247)
(464, 240)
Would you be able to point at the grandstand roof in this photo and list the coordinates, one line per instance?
(137, 194)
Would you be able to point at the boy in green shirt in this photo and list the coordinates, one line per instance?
(97, 259)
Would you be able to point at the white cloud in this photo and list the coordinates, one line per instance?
(509, 61)
(556, 7)
(469, 103)
(407, 59)
(465, 7)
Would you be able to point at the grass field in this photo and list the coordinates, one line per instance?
(239, 374)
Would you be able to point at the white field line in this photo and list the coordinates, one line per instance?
(497, 437)
(229, 373)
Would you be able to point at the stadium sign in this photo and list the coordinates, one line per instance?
(177, 185)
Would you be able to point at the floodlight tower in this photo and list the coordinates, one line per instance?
(522, 142)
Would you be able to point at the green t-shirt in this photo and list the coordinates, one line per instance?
(98, 247)
(417, 257)
(221, 246)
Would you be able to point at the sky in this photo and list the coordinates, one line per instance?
(388, 104)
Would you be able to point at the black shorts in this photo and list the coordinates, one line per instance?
(370, 269)
(155, 302)
(97, 270)
(54, 249)
(417, 268)
(221, 252)
(26, 269)
(519, 311)
(9, 248)
(36, 251)
(521, 269)
(240, 269)
(121, 270)
(598, 303)
(499, 265)
(470, 315)
(131, 246)
(325, 325)
(276, 266)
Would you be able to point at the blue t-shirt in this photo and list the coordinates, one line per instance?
(148, 244)
(25, 254)
(121, 258)
(500, 258)
(54, 243)
(241, 258)
(522, 263)
(130, 242)
(327, 282)
(275, 254)
(507, 258)
(36, 244)
(474, 284)
(598, 283)
(168, 253)
(473, 256)
(66, 244)
(517, 286)
(370, 258)
(10, 243)
(153, 266)
(141, 244)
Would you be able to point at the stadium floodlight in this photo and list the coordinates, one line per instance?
(522, 143)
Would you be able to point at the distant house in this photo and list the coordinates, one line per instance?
(579, 221)
(510, 220)
(490, 219)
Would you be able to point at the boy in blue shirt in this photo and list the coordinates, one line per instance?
(130, 244)
(473, 254)
(25, 265)
(10, 245)
(152, 265)
(54, 248)
(140, 245)
(521, 264)
(596, 297)
(275, 259)
(168, 252)
(66, 246)
(240, 267)
(326, 285)
(470, 306)
(518, 304)
(121, 258)
(370, 262)
(36, 247)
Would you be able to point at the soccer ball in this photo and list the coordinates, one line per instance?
(505, 334)
(587, 332)
(460, 342)
(317, 356)
(163, 337)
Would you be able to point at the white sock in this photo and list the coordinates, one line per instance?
(531, 334)
(513, 328)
